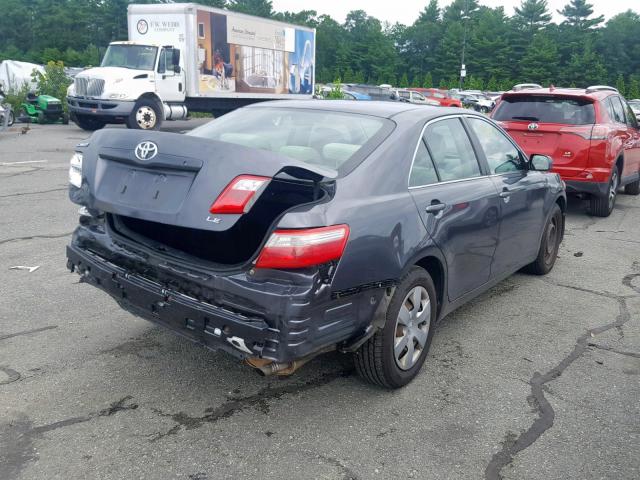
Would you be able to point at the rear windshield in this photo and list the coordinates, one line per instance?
(543, 109)
(329, 139)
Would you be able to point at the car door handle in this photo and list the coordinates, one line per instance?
(505, 194)
(435, 207)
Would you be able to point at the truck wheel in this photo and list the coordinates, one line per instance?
(87, 123)
(631, 189)
(12, 118)
(602, 206)
(146, 115)
(549, 245)
(395, 354)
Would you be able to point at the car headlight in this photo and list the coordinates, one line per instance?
(115, 96)
(75, 170)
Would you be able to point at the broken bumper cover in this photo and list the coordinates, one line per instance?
(275, 321)
(199, 321)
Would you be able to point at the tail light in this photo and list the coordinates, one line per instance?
(599, 132)
(239, 195)
(288, 249)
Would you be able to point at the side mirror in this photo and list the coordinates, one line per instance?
(540, 163)
(177, 69)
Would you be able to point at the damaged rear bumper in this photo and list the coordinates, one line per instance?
(244, 316)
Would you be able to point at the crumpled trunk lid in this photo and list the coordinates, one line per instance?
(178, 184)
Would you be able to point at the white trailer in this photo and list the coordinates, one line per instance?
(184, 56)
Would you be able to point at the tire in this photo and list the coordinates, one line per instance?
(89, 124)
(630, 189)
(12, 119)
(602, 206)
(376, 360)
(484, 110)
(146, 115)
(549, 244)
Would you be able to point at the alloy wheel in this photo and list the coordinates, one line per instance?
(412, 327)
(613, 189)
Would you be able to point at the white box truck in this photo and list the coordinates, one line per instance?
(184, 57)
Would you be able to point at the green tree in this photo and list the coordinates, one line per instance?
(492, 85)
(428, 81)
(620, 85)
(404, 81)
(540, 61)
(577, 13)
(634, 87)
(259, 8)
(532, 15)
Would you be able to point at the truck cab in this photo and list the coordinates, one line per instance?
(137, 84)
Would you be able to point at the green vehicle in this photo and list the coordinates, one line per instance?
(43, 109)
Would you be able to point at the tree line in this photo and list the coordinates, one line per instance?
(500, 49)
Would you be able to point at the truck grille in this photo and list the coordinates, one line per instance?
(89, 87)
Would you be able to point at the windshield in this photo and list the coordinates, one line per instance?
(317, 137)
(137, 57)
(546, 109)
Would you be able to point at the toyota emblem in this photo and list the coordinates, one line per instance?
(532, 126)
(146, 150)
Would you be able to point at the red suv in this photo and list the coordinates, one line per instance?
(591, 134)
(440, 96)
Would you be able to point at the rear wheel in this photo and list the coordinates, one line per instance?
(146, 115)
(632, 188)
(549, 245)
(12, 118)
(394, 355)
(87, 123)
(602, 206)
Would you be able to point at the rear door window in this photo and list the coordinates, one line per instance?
(422, 171)
(451, 150)
(546, 109)
(502, 155)
(618, 111)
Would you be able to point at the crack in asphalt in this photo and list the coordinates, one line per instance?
(26, 172)
(512, 444)
(259, 400)
(27, 332)
(347, 473)
(33, 237)
(12, 375)
(17, 437)
(21, 194)
(607, 348)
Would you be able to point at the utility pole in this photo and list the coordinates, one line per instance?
(465, 19)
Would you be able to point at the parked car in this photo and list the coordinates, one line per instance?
(440, 96)
(409, 96)
(349, 95)
(525, 86)
(287, 229)
(475, 100)
(591, 134)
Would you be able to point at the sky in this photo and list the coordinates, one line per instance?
(406, 11)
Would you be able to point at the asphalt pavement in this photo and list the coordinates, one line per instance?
(539, 378)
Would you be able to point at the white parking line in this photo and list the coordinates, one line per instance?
(7, 164)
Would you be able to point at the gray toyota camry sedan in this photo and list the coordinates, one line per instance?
(287, 229)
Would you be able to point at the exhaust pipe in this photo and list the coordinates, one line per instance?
(267, 368)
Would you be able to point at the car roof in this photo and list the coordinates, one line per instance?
(564, 92)
(374, 108)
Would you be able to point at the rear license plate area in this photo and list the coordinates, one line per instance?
(144, 188)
